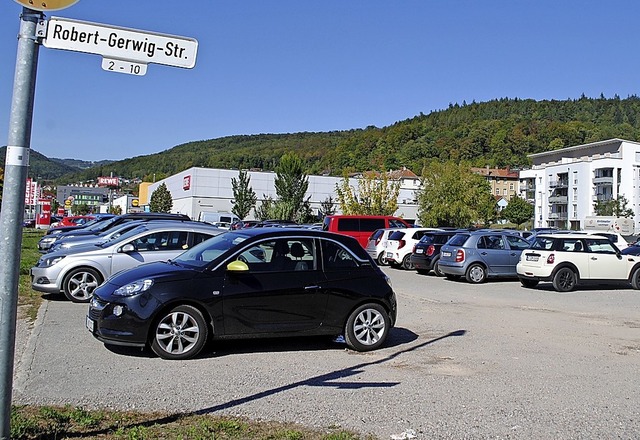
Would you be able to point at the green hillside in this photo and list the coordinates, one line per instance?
(496, 133)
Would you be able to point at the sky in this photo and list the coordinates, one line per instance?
(286, 66)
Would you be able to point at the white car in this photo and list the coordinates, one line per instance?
(568, 260)
(377, 244)
(400, 245)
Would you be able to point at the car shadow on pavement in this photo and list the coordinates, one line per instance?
(219, 348)
(332, 379)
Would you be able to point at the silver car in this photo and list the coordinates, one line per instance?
(67, 242)
(78, 271)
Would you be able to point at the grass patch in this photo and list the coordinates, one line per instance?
(29, 300)
(49, 422)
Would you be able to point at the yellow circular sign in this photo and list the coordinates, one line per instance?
(46, 5)
(67, 203)
(135, 202)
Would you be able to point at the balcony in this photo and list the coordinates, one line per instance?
(601, 197)
(558, 216)
(559, 184)
(603, 180)
(555, 200)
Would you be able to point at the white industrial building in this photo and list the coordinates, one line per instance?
(565, 184)
(197, 190)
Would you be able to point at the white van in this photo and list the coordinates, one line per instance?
(217, 217)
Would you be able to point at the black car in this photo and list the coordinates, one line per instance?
(262, 282)
(426, 253)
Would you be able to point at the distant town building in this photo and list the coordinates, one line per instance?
(197, 190)
(73, 195)
(504, 182)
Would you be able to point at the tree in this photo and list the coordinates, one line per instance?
(376, 195)
(452, 195)
(615, 207)
(291, 184)
(517, 211)
(327, 207)
(161, 200)
(265, 209)
(244, 197)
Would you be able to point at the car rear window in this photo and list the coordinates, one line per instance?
(396, 223)
(458, 240)
(542, 243)
(396, 235)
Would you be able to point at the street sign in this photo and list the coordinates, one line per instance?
(118, 44)
(46, 5)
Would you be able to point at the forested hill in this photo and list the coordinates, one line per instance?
(495, 133)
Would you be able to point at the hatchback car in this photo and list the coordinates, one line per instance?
(481, 254)
(76, 272)
(377, 244)
(400, 246)
(263, 282)
(568, 260)
(425, 256)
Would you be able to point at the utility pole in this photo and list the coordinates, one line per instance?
(15, 182)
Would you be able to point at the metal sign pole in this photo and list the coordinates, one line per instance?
(15, 178)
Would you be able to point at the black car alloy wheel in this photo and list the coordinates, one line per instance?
(179, 333)
(367, 327)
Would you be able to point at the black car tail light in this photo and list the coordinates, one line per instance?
(460, 256)
(431, 250)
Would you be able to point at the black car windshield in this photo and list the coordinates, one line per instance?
(207, 251)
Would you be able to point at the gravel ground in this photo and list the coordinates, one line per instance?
(474, 362)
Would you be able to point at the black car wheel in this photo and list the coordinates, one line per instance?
(79, 284)
(180, 333)
(406, 262)
(367, 327)
(436, 268)
(382, 259)
(565, 280)
(635, 279)
(476, 274)
(529, 283)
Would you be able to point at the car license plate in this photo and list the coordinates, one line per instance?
(419, 251)
(532, 258)
(446, 254)
(90, 324)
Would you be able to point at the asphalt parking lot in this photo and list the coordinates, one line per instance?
(465, 361)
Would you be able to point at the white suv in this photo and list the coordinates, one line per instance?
(400, 245)
(571, 259)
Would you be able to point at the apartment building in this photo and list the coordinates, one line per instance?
(564, 185)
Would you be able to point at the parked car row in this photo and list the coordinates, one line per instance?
(565, 258)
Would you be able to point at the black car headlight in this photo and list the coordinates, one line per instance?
(134, 288)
